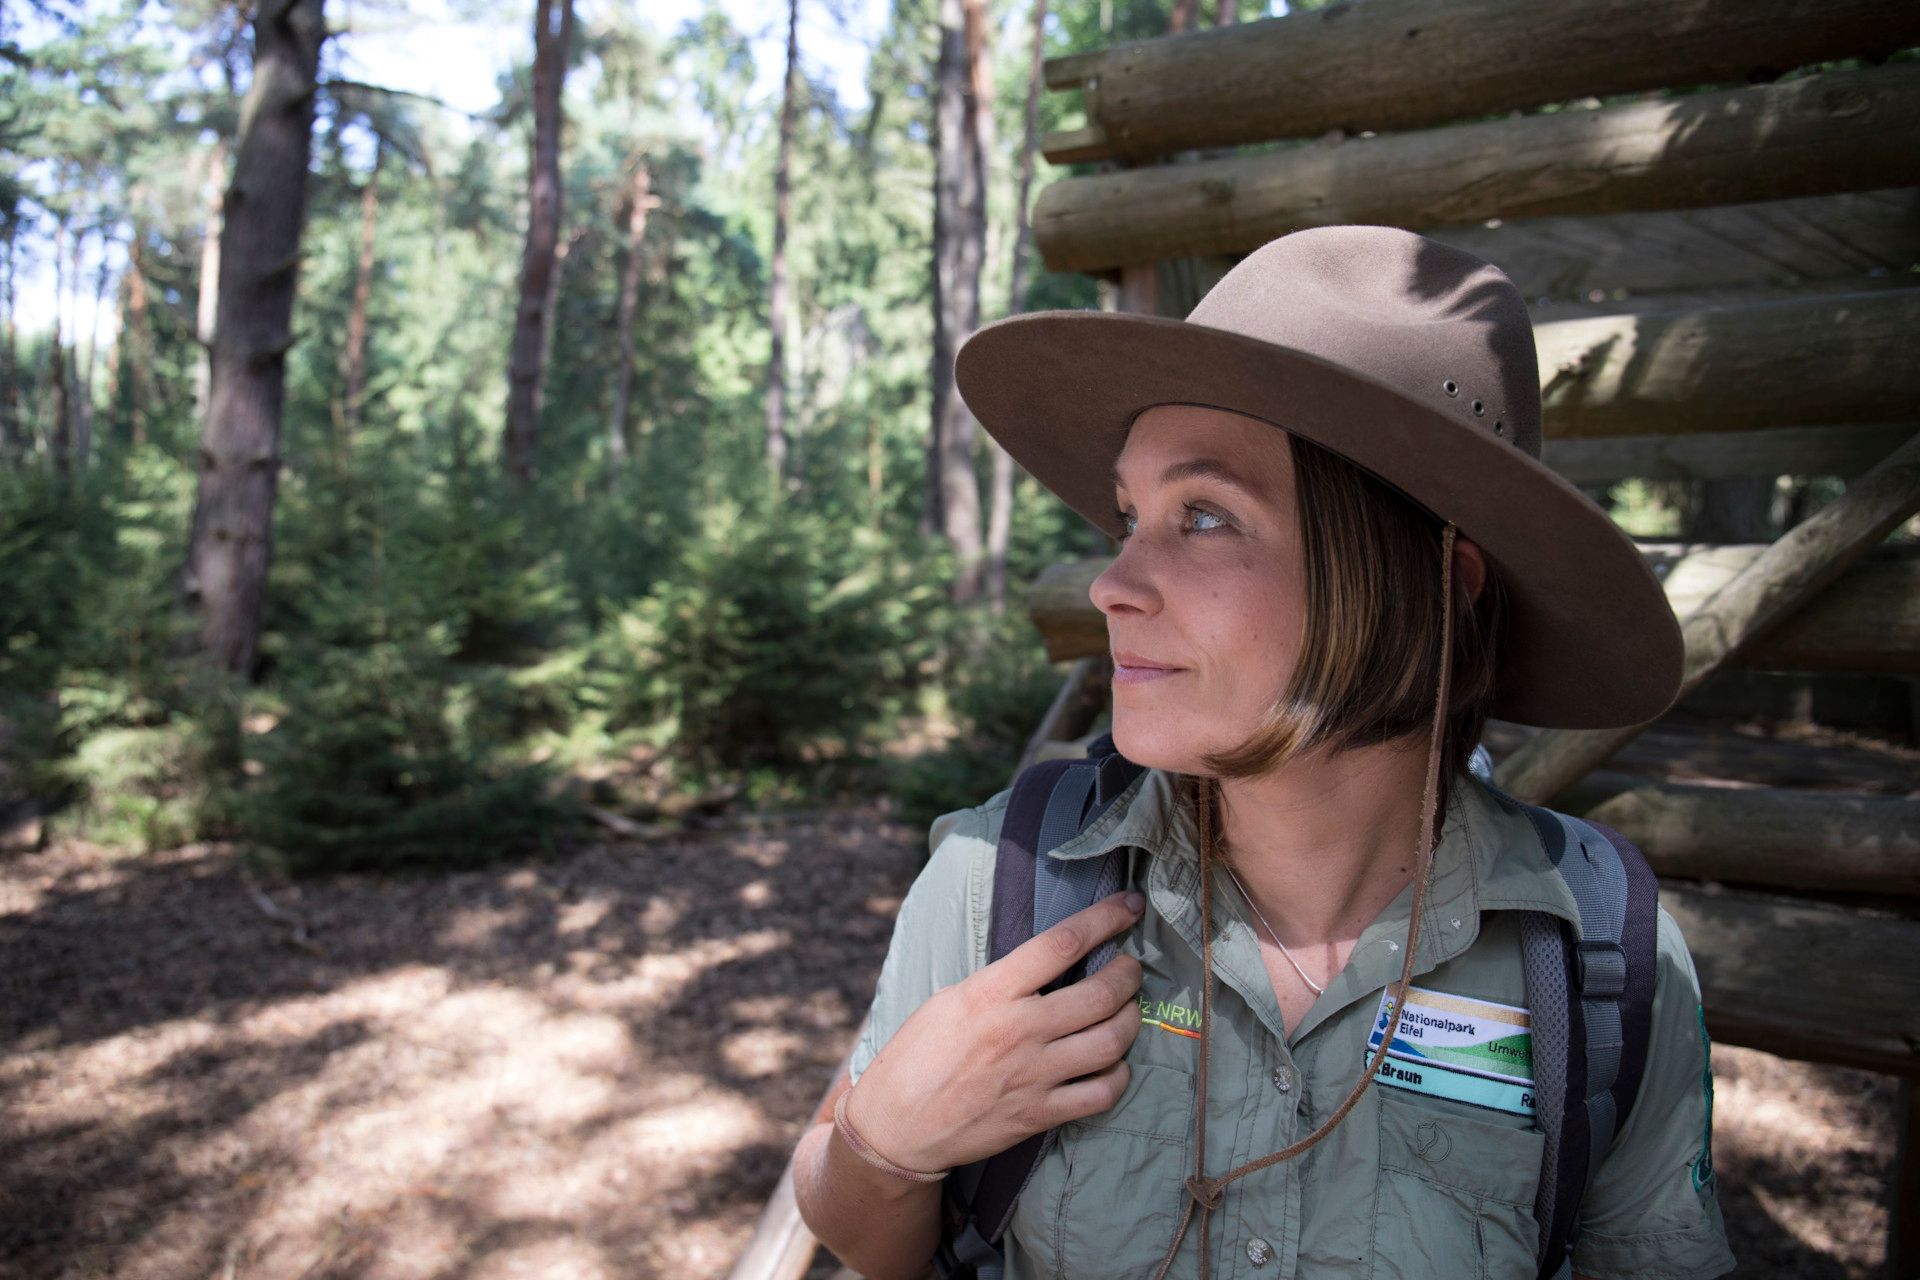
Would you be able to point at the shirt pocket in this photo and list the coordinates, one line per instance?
(1108, 1194)
(1454, 1196)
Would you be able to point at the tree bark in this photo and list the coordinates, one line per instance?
(207, 307)
(231, 542)
(1000, 508)
(777, 442)
(961, 145)
(526, 362)
(353, 355)
(639, 201)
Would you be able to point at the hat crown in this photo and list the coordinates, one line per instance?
(1438, 325)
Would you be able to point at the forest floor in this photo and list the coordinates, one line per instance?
(584, 1068)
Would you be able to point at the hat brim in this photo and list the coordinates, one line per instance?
(1590, 639)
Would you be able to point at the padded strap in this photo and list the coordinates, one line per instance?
(1559, 1071)
(1051, 803)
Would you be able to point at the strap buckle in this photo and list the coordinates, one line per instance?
(1600, 969)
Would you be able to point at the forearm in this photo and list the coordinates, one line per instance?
(881, 1226)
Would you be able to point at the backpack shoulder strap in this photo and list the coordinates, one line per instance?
(1051, 803)
(1591, 995)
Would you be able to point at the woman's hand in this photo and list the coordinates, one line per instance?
(989, 1061)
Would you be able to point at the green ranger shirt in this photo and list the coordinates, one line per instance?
(1432, 1175)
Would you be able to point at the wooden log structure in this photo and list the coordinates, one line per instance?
(1844, 991)
(1782, 579)
(1857, 236)
(1833, 132)
(1406, 64)
(1832, 450)
(1840, 358)
(1773, 836)
(1867, 620)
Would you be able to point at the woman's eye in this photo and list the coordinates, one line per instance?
(1193, 513)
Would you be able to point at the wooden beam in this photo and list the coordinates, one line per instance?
(1839, 131)
(1803, 563)
(1803, 980)
(1868, 620)
(1833, 358)
(1718, 755)
(1773, 836)
(1405, 64)
(1844, 450)
(1858, 235)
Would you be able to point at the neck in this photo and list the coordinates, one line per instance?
(1325, 843)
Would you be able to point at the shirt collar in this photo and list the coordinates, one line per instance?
(1488, 859)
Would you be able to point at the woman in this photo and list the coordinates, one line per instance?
(1345, 428)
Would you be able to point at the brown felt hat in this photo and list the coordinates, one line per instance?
(1413, 360)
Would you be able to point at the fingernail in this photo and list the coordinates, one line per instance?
(1135, 903)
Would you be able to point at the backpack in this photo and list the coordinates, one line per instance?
(1590, 991)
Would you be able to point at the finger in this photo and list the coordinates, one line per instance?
(1094, 1049)
(1082, 1004)
(1088, 1096)
(1051, 952)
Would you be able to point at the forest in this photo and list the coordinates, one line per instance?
(584, 449)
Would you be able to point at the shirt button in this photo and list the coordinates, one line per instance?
(1259, 1252)
(1283, 1080)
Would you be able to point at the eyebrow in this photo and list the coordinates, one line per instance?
(1198, 468)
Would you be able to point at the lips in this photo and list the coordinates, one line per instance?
(1138, 662)
(1135, 668)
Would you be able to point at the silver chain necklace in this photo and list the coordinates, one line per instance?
(1315, 987)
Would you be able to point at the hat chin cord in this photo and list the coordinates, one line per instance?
(1205, 1192)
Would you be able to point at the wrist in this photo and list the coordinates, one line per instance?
(856, 1137)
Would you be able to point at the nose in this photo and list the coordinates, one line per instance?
(1125, 587)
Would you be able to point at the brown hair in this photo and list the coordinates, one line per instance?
(1370, 652)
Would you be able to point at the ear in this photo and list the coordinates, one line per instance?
(1469, 565)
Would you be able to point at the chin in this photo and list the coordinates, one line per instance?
(1156, 746)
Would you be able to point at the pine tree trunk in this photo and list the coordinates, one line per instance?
(777, 290)
(962, 142)
(133, 349)
(231, 543)
(526, 362)
(59, 441)
(60, 430)
(13, 442)
(639, 202)
(207, 310)
(353, 356)
(1000, 518)
(93, 359)
(1226, 12)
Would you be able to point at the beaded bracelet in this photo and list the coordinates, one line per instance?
(866, 1152)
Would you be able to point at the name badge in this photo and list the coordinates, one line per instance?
(1447, 1046)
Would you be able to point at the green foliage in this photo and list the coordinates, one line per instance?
(401, 627)
(996, 698)
(775, 633)
(386, 759)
